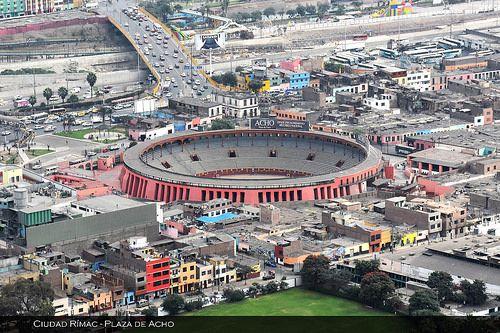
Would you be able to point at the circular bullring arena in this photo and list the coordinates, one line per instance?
(249, 166)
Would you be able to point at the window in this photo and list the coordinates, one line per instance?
(141, 279)
(165, 264)
(156, 266)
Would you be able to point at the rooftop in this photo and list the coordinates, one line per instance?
(108, 203)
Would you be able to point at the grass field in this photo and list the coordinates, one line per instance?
(80, 134)
(37, 152)
(294, 310)
(293, 302)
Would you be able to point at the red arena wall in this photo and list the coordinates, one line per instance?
(137, 184)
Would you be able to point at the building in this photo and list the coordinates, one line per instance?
(10, 174)
(399, 211)
(12, 8)
(148, 129)
(237, 105)
(436, 160)
(196, 106)
(33, 7)
(269, 214)
(295, 79)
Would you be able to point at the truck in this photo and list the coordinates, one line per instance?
(269, 275)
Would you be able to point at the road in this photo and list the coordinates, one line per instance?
(180, 75)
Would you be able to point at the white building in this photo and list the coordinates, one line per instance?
(238, 105)
(419, 80)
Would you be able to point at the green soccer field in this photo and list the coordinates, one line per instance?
(293, 302)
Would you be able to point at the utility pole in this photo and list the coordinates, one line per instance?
(34, 89)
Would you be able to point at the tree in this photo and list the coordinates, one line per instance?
(366, 266)
(301, 10)
(47, 93)
(218, 124)
(173, 304)
(152, 311)
(27, 298)
(193, 305)
(91, 80)
(424, 300)
(73, 99)
(255, 85)
(442, 282)
(256, 15)
(225, 6)
(62, 92)
(323, 9)
(291, 12)
(269, 11)
(311, 9)
(229, 79)
(32, 100)
(315, 271)
(475, 292)
(376, 289)
(177, 8)
(333, 67)
(246, 34)
(233, 295)
(238, 69)
(339, 279)
(253, 290)
(271, 287)
(357, 4)
(244, 271)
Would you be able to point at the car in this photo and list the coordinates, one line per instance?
(199, 93)
(87, 124)
(126, 24)
(118, 107)
(189, 81)
(183, 74)
(145, 36)
(176, 51)
(36, 167)
(181, 60)
(162, 71)
(157, 64)
(169, 94)
(5, 133)
(176, 65)
(113, 147)
(162, 57)
(166, 53)
(170, 67)
(49, 128)
(205, 86)
(194, 87)
(153, 54)
(158, 42)
(38, 127)
(202, 89)
(173, 79)
(54, 98)
(91, 153)
(162, 64)
(195, 73)
(175, 55)
(197, 82)
(76, 90)
(175, 85)
(159, 37)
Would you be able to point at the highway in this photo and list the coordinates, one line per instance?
(180, 77)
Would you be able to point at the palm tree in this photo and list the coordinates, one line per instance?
(32, 100)
(225, 6)
(47, 93)
(91, 80)
(62, 92)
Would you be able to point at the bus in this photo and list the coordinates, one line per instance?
(122, 100)
(452, 53)
(405, 150)
(389, 54)
(38, 116)
(57, 111)
(77, 161)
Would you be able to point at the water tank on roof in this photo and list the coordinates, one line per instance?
(21, 198)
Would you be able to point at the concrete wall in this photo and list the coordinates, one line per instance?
(90, 226)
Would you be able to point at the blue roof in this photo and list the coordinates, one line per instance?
(215, 219)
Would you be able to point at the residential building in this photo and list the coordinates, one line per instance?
(238, 105)
(12, 8)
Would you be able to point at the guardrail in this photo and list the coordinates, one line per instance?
(139, 51)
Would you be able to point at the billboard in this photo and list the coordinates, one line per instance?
(279, 124)
(210, 41)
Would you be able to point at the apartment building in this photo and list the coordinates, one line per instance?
(238, 105)
(399, 211)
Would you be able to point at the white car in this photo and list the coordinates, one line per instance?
(170, 67)
(175, 55)
(87, 124)
(38, 127)
(197, 82)
(5, 133)
(36, 167)
(183, 74)
(173, 80)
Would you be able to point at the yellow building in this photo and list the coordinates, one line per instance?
(222, 274)
(11, 174)
(187, 277)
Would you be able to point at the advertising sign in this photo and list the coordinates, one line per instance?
(209, 41)
(280, 124)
